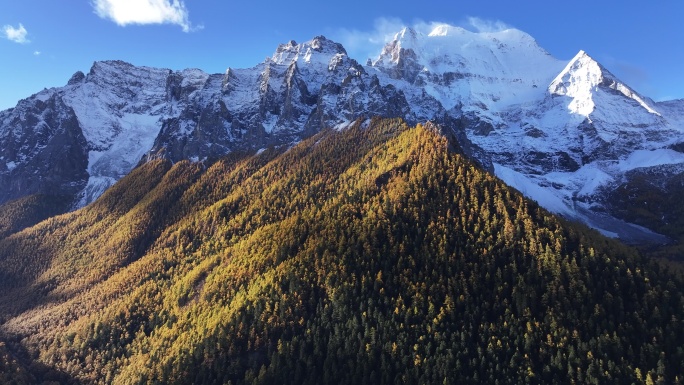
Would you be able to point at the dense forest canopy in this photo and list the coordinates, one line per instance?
(371, 255)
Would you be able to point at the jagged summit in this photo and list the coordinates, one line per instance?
(583, 77)
(563, 132)
(319, 48)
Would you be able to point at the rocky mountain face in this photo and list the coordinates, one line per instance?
(43, 149)
(566, 134)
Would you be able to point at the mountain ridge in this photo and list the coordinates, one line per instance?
(571, 132)
(373, 254)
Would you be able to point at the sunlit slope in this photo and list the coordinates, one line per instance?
(371, 255)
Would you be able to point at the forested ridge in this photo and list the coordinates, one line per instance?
(370, 255)
(646, 201)
(30, 210)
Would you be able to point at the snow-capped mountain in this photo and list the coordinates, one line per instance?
(471, 72)
(563, 133)
(566, 133)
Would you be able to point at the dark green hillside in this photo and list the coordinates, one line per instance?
(11, 371)
(373, 255)
(25, 212)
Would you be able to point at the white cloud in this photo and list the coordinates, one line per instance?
(17, 35)
(482, 25)
(36, 53)
(124, 12)
(368, 44)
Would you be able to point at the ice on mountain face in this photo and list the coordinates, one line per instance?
(125, 152)
(650, 158)
(270, 122)
(113, 92)
(566, 201)
(95, 187)
(194, 78)
(119, 109)
(530, 188)
(584, 182)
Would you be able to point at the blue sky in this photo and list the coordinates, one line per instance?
(43, 42)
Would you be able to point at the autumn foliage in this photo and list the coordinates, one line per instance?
(374, 255)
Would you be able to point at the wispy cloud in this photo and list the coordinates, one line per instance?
(125, 12)
(17, 35)
(482, 25)
(368, 44)
(36, 53)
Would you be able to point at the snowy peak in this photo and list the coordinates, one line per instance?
(577, 81)
(583, 77)
(582, 69)
(483, 71)
(317, 50)
(406, 39)
(406, 34)
(446, 48)
(120, 74)
(313, 62)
